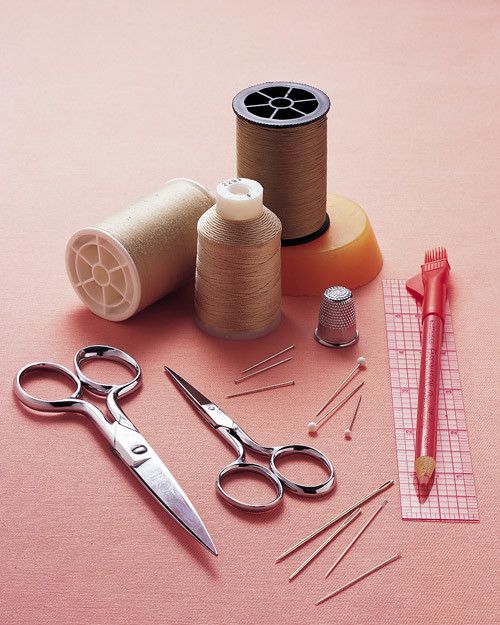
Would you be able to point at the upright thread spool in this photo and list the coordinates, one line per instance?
(281, 141)
(139, 254)
(238, 267)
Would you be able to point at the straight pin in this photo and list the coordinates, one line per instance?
(358, 579)
(343, 514)
(360, 364)
(313, 555)
(262, 388)
(348, 431)
(313, 426)
(261, 362)
(250, 375)
(346, 550)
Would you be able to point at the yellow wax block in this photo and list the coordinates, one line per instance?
(347, 254)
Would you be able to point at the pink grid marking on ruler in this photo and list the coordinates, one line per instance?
(453, 495)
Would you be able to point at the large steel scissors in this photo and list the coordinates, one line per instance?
(239, 440)
(124, 438)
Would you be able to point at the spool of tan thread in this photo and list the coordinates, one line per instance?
(238, 281)
(139, 254)
(281, 140)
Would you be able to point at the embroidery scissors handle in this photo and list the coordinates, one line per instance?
(73, 403)
(239, 440)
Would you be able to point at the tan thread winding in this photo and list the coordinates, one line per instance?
(159, 233)
(291, 165)
(238, 275)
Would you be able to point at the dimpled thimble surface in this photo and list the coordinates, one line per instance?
(337, 318)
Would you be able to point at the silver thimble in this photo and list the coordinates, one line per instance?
(337, 318)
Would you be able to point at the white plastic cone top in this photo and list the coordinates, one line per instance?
(239, 199)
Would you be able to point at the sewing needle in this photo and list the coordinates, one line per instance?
(328, 524)
(262, 388)
(250, 375)
(261, 362)
(355, 538)
(345, 524)
(359, 578)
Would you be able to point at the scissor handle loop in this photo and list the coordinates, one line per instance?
(304, 450)
(106, 352)
(237, 468)
(45, 405)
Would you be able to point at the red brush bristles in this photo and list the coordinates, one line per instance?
(435, 255)
(435, 260)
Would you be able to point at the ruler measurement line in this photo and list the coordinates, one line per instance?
(410, 471)
(415, 388)
(453, 496)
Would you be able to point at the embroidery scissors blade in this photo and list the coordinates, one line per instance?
(240, 440)
(212, 414)
(195, 397)
(126, 441)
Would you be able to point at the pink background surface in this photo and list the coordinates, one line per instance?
(104, 101)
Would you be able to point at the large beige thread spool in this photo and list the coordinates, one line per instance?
(281, 141)
(139, 254)
(238, 278)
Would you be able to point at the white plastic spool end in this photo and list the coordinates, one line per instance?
(103, 274)
(239, 199)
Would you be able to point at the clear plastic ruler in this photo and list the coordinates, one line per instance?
(453, 494)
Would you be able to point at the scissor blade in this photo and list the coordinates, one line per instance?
(155, 476)
(197, 398)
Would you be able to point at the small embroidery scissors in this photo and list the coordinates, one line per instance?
(124, 438)
(239, 440)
